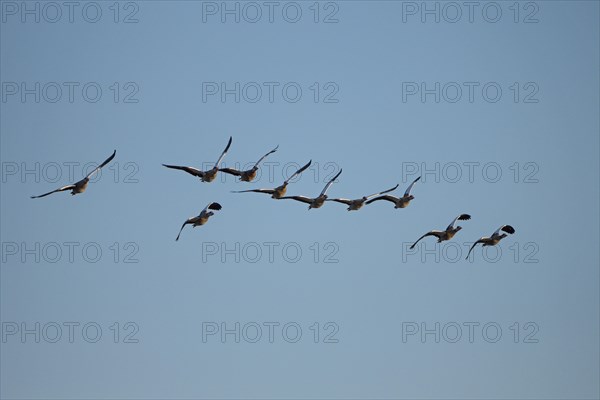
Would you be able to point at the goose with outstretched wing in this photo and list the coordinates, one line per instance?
(205, 176)
(201, 218)
(447, 234)
(279, 191)
(250, 174)
(494, 239)
(399, 202)
(357, 204)
(79, 187)
(318, 201)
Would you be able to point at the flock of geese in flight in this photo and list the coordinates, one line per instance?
(313, 202)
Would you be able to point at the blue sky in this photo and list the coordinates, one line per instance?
(546, 275)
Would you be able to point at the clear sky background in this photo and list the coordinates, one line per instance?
(376, 286)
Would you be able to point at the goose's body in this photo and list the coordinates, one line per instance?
(494, 239)
(205, 176)
(357, 204)
(201, 218)
(447, 234)
(80, 186)
(245, 176)
(250, 174)
(279, 191)
(399, 202)
(315, 202)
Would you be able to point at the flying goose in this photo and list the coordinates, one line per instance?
(318, 201)
(205, 176)
(79, 187)
(201, 218)
(358, 203)
(494, 239)
(448, 233)
(399, 202)
(279, 191)
(250, 174)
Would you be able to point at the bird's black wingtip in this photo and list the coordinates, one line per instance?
(215, 206)
(509, 229)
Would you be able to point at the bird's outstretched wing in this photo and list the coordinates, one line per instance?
(386, 197)
(330, 183)
(472, 247)
(213, 206)
(385, 191)
(301, 170)
(343, 201)
(409, 188)
(263, 157)
(505, 228)
(189, 170)
(62, 189)
(303, 199)
(461, 217)
(182, 226)
(231, 171)
(224, 152)
(430, 233)
(109, 159)
(267, 191)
